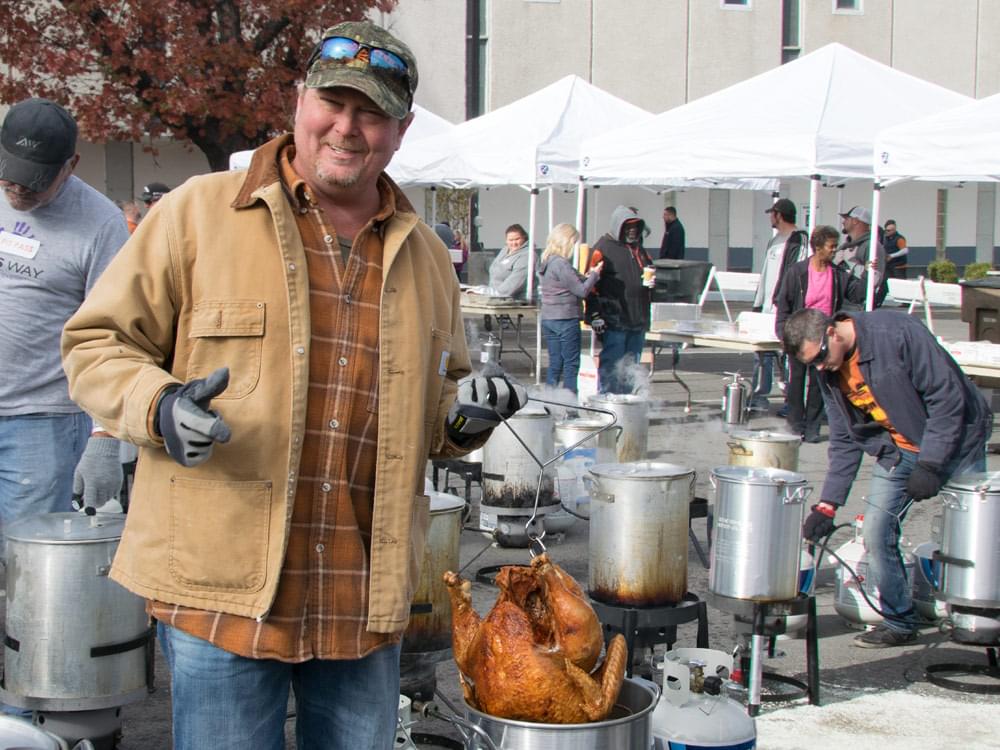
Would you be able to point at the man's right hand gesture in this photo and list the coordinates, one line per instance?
(189, 428)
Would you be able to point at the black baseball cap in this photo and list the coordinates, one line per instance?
(153, 192)
(37, 139)
(784, 207)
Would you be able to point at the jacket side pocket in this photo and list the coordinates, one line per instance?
(202, 510)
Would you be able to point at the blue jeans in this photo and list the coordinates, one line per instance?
(763, 376)
(38, 454)
(563, 340)
(619, 348)
(884, 514)
(229, 702)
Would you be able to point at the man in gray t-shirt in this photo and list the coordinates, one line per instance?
(57, 234)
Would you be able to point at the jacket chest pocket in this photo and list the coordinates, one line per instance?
(439, 363)
(229, 334)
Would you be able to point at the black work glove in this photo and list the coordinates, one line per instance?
(481, 402)
(189, 428)
(598, 325)
(923, 482)
(819, 523)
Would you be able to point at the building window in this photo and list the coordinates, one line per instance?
(791, 48)
(848, 6)
(735, 4)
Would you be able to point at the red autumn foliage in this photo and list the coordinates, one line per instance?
(217, 73)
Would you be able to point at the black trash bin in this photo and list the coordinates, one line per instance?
(680, 280)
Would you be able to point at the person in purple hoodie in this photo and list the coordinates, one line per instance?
(562, 290)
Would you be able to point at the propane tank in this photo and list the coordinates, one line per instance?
(735, 401)
(926, 574)
(849, 602)
(694, 710)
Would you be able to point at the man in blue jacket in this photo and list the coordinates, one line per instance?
(893, 392)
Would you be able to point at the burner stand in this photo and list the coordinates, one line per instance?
(943, 675)
(648, 626)
(757, 613)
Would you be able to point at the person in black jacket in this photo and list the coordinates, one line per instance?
(893, 392)
(673, 244)
(812, 283)
(618, 308)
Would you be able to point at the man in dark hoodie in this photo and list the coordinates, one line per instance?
(618, 308)
(852, 255)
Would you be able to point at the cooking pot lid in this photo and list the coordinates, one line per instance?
(640, 470)
(757, 475)
(986, 481)
(17, 733)
(765, 436)
(443, 502)
(58, 528)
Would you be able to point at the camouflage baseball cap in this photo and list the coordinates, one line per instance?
(366, 58)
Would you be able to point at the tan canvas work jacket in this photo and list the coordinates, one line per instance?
(216, 276)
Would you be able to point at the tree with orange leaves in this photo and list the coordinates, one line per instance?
(216, 73)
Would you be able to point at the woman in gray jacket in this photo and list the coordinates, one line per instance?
(562, 289)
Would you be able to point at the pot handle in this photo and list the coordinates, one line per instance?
(711, 481)
(433, 711)
(739, 449)
(951, 500)
(958, 562)
(594, 492)
(799, 496)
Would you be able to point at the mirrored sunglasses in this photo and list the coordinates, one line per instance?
(345, 49)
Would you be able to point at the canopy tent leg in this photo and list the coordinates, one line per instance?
(873, 248)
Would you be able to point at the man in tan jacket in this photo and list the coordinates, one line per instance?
(292, 337)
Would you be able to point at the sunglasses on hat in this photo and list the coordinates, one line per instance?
(344, 49)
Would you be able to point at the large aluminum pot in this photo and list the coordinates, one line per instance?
(510, 474)
(639, 533)
(628, 727)
(769, 450)
(76, 640)
(758, 533)
(970, 551)
(427, 639)
(429, 628)
(632, 413)
(597, 448)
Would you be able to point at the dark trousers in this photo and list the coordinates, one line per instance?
(805, 402)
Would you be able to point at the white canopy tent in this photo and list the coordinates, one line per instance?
(816, 116)
(959, 144)
(403, 167)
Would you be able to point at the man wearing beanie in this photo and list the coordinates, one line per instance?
(57, 234)
(286, 345)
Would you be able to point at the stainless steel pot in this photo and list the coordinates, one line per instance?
(769, 450)
(758, 533)
(427, 639)
(510, 473)
(970, 551)
(628, 727)
(632, 413)
(76, 640)
(602, 448)
(972, 625)
(639, 532)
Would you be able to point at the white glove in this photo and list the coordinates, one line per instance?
(98, 474)
(481, 403)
